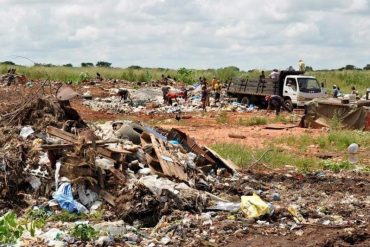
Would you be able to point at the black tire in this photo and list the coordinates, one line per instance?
(245, 101)
(288, 105)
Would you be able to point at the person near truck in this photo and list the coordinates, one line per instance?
(301, 65)
(275, 102)
(274, 75)
(261, 81)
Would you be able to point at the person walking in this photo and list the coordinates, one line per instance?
(204, 98)
(275, 102)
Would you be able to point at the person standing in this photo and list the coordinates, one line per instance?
(335, 91)
(204, 98)
(274, 75)
(213, 83)
(217, 88)
(261, 82)
(165, 91)
(301, 65)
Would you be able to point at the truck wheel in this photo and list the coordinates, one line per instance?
(288, 104)
(245, 101)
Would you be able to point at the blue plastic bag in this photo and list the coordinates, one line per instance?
(65, 199)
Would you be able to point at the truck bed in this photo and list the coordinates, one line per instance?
(253, 87)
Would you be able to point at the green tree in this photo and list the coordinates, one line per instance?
(308, 68)
(103, 64)
(367, 67)
(8, 63)
(350, 67)
(134, 67)
(67, 65)
(185, 75)
(87, 65)
(227, 73)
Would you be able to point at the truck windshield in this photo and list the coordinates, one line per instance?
(309, 85)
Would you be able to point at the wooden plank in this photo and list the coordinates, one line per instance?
(109, 154)
(61, 134)
(280, 126)
(56, 146)
(71, 137)
(108, 197)
(118, 174)
(236, 136)
(167, 163)
(227, 163)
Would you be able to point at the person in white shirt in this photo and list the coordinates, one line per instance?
(274, 75)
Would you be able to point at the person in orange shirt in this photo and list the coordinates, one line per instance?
(213, 83)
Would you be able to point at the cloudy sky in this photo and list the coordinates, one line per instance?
(187, 33)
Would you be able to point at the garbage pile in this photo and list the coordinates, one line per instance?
(149, 100)
(155, 187)
(140, 172)
(11, 77)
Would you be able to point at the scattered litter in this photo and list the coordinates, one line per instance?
(253, 206)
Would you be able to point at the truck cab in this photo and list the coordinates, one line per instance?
(298, 89)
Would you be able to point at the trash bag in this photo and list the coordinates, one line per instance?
(254, 206)
(65, 199)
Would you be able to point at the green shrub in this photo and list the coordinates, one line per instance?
(10, 229)
(84, 232)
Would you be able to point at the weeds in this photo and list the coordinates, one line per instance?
(222, 118)
(66, 216)
(10, 229)
(84, 232)
(334, 122)
(252, 121)
(337, 166)
(243, 157)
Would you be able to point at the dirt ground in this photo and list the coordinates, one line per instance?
(334, 193)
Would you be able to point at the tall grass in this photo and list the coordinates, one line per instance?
(344, 79)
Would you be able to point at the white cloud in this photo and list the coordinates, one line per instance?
(193, 33)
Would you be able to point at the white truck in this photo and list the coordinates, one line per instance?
(293, 86)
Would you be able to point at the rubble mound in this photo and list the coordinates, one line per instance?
(38, 112)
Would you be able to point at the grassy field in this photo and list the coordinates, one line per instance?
(344, 79)
(276, 154)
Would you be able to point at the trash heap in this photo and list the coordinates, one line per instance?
(12, 78)
(149, 100)
(139, 172)
(157, 187)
